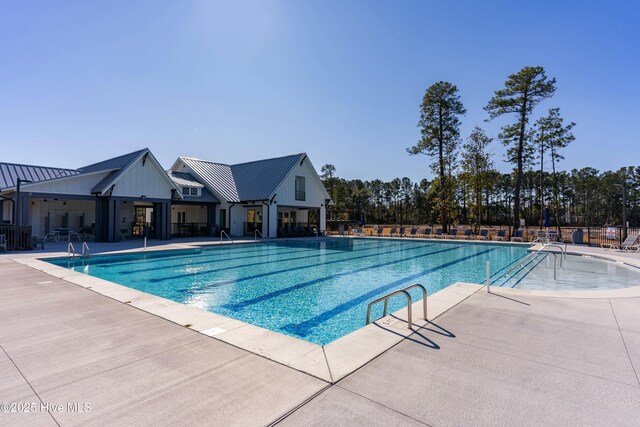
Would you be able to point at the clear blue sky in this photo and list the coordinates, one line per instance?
(340, 80)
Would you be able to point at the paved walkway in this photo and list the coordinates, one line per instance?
(500, 360)
(61, 343)
(492, 360)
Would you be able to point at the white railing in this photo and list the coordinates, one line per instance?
(255, 235)
(224, 234)
(85, 247)
(71, 251)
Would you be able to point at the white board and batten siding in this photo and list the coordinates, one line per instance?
(148, 180)
(315, 193)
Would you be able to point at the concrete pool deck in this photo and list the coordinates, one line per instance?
(501, 358)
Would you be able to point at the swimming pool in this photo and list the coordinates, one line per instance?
(316, 290)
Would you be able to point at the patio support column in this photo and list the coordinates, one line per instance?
(273, 220)
(162, 220)
(114, 220)
(25, 206)
(323, 218)
(167, 220)
(99, 231)
(211, 218)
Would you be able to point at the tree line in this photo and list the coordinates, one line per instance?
(467, 189)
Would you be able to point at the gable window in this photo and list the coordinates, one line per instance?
(185, 191)
(194, 191)
(300, 188)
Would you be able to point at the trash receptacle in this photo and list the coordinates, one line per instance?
(577, 237)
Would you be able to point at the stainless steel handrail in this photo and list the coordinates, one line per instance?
(255, 235)
(424, 297)
(386, 300)
(563, 249)
(404, 291)
(85, 245)
(224, 233)
(71, 250)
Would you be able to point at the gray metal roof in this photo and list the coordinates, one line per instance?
(184, 179)
(217, 176)
(10, 172)
(256, 180)
(259, 180)
(113, 164)
(206, 197)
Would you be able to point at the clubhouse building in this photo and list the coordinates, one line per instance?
(132, 195)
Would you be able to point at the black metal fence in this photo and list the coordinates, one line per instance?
(190, 229)
(18, 237)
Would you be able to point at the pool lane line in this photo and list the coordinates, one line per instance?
(526, 274)
(242, 304)
(215, 253)
(395, 248)
(147, 257)
(305, 328)
(522, 267)
(273, 273)
(209, 261)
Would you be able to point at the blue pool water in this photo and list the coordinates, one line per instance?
(316, 290)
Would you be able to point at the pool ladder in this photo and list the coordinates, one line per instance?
(405, 292)
(71, 250)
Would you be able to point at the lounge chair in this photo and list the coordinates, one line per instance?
(3, 242)
(413, 232)
(517, 236)
(628, 244)
(426, 233)
(484, 234)
(468, 233)
(541, 237)
(501, 235)
(386, 232)
(401, 232)
(366, 232)
(438, 234)
(453, 233)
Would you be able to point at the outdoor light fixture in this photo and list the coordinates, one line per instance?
(143, 197)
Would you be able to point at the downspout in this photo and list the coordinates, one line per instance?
(230, 206)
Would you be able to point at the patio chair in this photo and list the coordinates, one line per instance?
(541, 237)
(426, 233)
(413, 232)
(379, 232)
(484, 234)
(628, 244)
(63, 235)
(453, 233)
(439, 234)
(3, 242)
(517, 236)
(468, 233)
(386, 232)
(501, 235)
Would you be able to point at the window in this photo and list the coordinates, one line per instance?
(185, 190)
(300, 188)
(194, 191)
